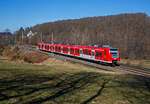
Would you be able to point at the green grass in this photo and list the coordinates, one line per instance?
(60, 84)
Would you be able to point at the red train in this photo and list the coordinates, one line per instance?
(104, 53)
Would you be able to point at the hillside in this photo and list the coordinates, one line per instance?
(128, 32)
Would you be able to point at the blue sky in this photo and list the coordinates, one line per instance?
(17, 13)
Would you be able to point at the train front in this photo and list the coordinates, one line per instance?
(115, 56)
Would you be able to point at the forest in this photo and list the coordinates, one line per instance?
(128, 32)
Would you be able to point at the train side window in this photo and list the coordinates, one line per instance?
(93, 54)
(96, 54)
(72, 50)
(76, 51)
(83, 52)
(90, 53)
(100, 54)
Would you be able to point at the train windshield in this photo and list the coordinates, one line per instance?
(114, 52)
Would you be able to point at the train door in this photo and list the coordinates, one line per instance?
(84, 53)
(105, 55)
(89, 53)
(81, 52)
(48, 47)
(63, 51)
(53, 48)
(93, 54)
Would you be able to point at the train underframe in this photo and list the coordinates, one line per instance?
(115, 63)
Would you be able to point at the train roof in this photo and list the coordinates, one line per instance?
(88, 46)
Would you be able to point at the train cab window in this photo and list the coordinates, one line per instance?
(96, 54)
(100, 54)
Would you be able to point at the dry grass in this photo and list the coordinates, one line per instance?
(56, 62)
(35, 57)
(140, 63)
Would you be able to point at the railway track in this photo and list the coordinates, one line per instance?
(123, 68)
(135, 70)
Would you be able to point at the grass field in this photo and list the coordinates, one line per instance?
(69, 84)
(138, 63)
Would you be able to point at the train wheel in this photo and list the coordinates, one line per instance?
(117, 64)
(113, 65)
